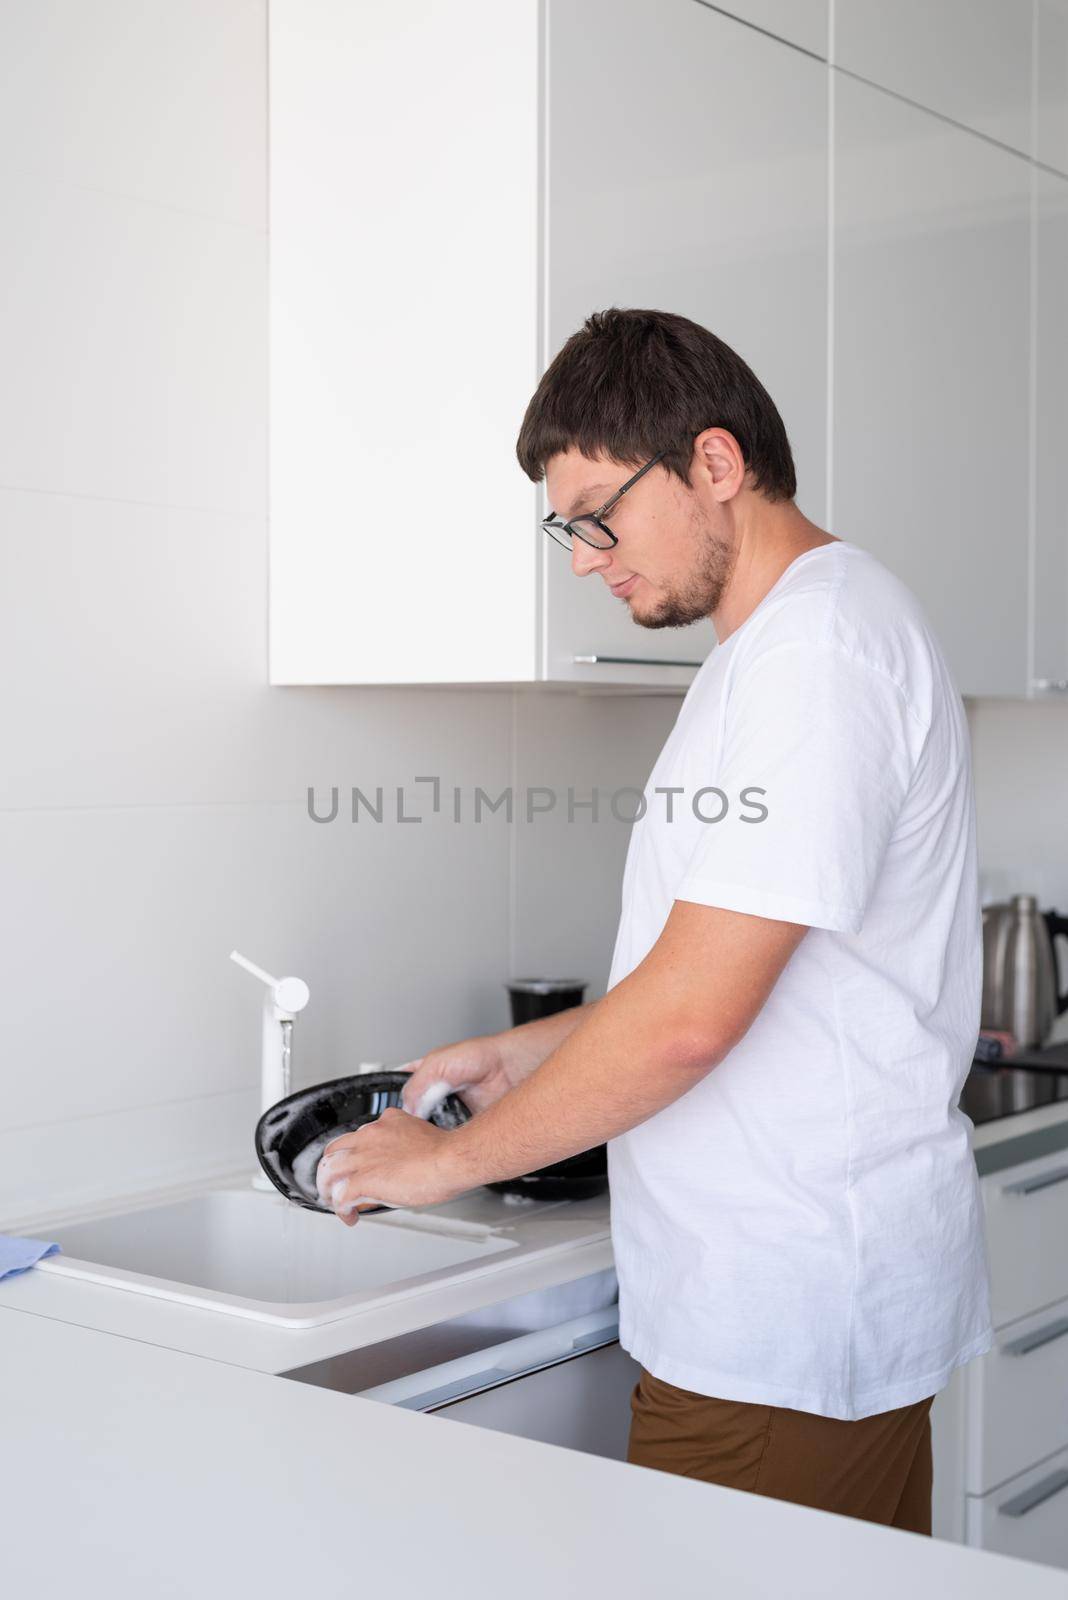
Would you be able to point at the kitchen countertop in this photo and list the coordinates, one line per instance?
(129, 1469)
(128, 1465)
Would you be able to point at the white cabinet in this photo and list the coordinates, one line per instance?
(800, 22)
(453, 190)
(969, 60)
(1003, 1440)
(1018, 1395)
(1026, 1228)
(403, 295)
(930, 445)
(1050, 646)
(710, 204)
(1027, 1517)
(1051, 83)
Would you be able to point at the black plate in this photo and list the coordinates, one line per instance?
(292, 1135)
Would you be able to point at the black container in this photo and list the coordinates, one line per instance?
(577, 1177)
(542, 997)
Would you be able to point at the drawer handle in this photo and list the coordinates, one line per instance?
(1037, 1338)
(1044, 1181)
(1037, 1495)
(631, 661)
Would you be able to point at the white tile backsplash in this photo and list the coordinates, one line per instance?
(1020, 757)
(135, 355)
(160, 102)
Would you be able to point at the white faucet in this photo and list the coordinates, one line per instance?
(285, 997)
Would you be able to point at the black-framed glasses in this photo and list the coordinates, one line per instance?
(590, 527)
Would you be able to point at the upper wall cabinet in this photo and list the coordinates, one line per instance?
(966, 59)
(800, 22)
(930, 442)
(1050, 650)
(403, 294)
(710, 203)
(1051, 83)
(453, 190)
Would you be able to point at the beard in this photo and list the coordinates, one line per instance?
(696, 596)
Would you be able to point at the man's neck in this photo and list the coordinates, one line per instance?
(768, 538)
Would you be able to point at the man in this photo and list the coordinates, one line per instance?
(794, 993)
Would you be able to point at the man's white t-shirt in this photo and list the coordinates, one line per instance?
(803, 1227)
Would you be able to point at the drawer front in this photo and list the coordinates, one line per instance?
(582, 1404)
(1027, 1517)
(1027, 1236)
(1018, 1400)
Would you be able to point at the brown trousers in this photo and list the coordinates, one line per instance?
(878, 1469)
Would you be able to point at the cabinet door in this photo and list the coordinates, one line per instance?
(582, 1404)
(931, 368)
(1027, 1517)
(687, 171)
(1026, 1225)
(1018, 1395)
(1050, 650)
(966, 59)
(1051, 83)
(403, 328)
(800, 22)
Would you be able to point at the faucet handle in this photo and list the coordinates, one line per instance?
(288, 994)
(291, 994)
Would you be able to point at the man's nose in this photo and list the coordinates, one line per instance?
(585, 558)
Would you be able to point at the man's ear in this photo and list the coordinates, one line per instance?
(717, 456)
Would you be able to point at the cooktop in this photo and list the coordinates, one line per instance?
(1003, 1089)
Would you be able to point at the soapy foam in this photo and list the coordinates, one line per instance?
(314, 1183)
(432, 1099)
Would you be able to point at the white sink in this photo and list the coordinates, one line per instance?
(253, 1254)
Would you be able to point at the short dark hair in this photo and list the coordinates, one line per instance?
(631, 383)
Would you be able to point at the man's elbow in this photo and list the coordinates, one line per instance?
(694, 1051)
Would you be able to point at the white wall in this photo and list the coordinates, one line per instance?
(1020, 758)
(152, 788)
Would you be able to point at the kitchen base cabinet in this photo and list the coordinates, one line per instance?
(583, 1404)
(1000, 1428)
(948, 1435)
(1026, 1225)
(1026, 1517)
(1018, 1400)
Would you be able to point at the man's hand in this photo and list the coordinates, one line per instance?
(476, 1069)
(484, 1069)
(398, 1160)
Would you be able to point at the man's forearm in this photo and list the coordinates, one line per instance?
(529, 1043)
(615, 1067)
(651, 1038)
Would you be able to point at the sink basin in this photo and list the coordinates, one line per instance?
(253, 1254)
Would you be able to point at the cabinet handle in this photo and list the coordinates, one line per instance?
(1038, 1493)
(1050, 685)
(1045, 1180)
(1037, 1338)
(635, 661)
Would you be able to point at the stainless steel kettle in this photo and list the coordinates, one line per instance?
(1021, 989)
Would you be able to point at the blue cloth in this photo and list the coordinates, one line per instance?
(19, 1255)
